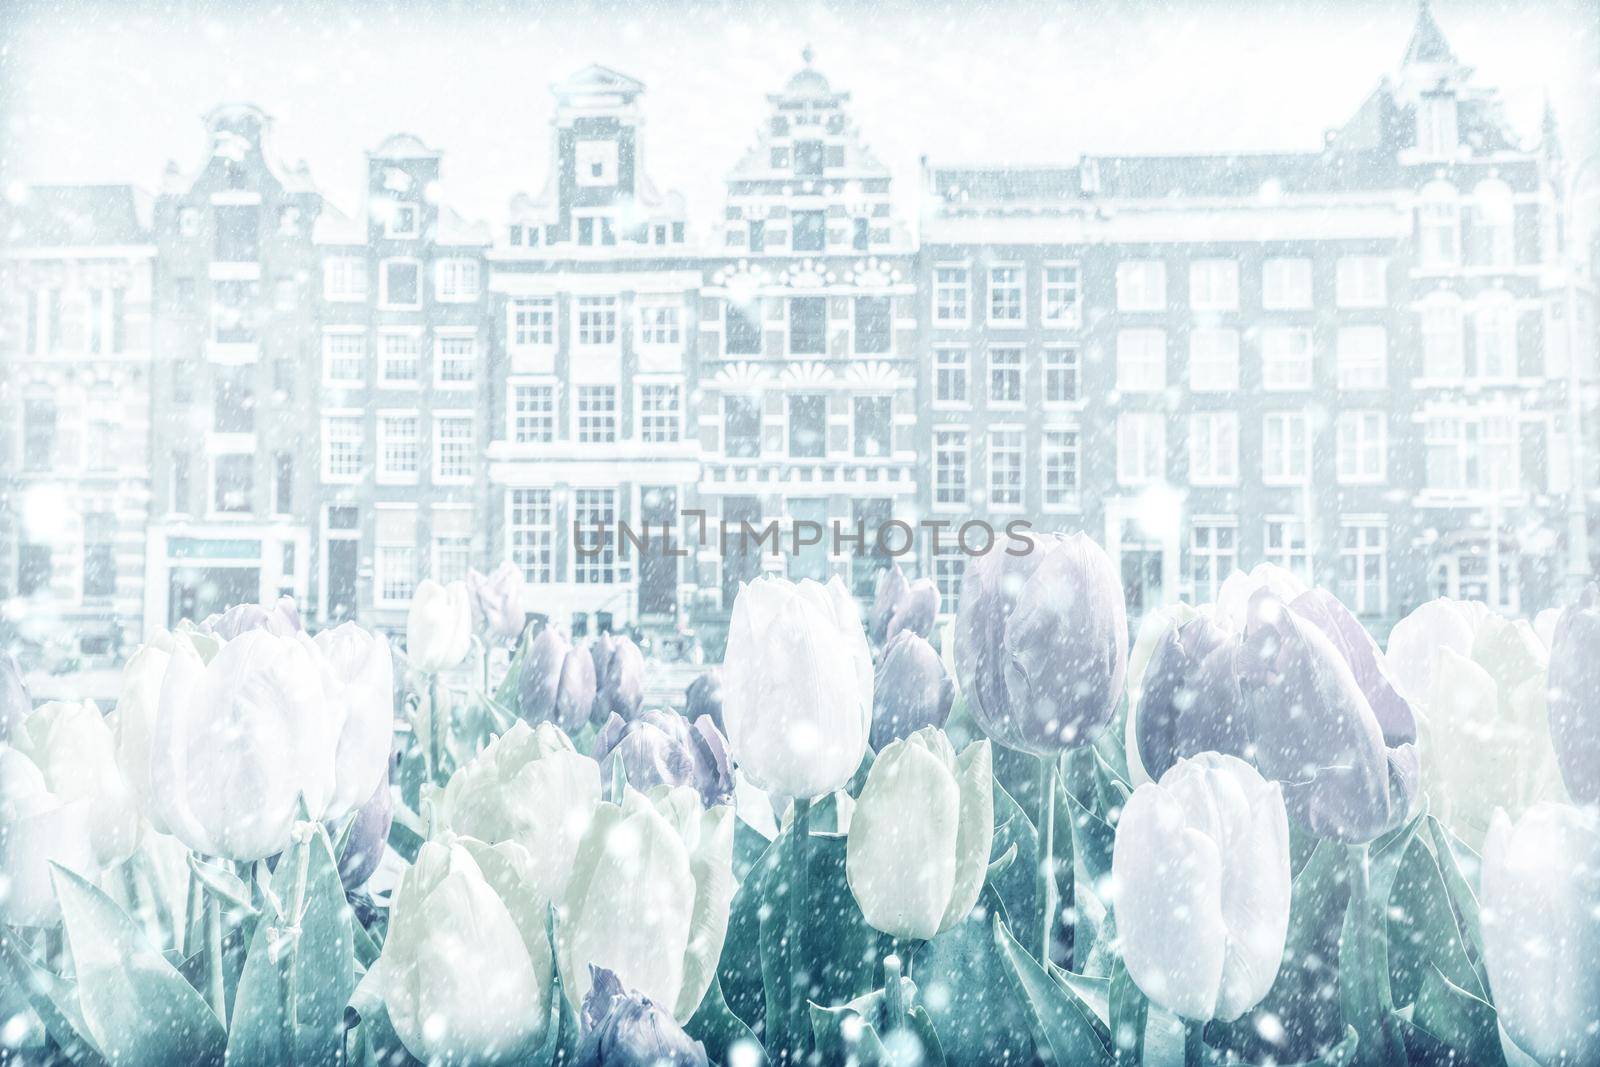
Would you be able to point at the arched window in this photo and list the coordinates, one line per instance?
(1441, 337)
(1439, 225)
(1492, 225)
(1495, 335)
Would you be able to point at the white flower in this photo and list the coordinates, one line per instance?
(72, 746)
(438, 626)
(359, 677)
(37, 828)
(139, 705)
(497, 599)
(1232, 609)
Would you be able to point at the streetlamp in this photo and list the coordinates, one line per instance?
(1578, 494)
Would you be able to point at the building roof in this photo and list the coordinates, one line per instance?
(1427, 40)
(597, 85)
(400, 146)
(75, 215)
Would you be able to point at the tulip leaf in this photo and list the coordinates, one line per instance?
(716, 1027)
(1466, 1024)
(1128, 1010)
(1338, 1056)
(55, 1000)
(963, 983)
(845, 1035)
(738, 972)
(1388, 853)
(136, 1006)
(1017, 883)
(1463, 898)
(1423, 932)
(223, 883)
(1066, 1030)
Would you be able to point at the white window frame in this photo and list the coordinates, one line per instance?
(595, 335)
(1214, 359)
(1142, 285)
(393, 212)
(1010, 441)
(1219, 562)
(1214, 284)
(1367, 548)
(1361, 441)
(543, 305)
(343, 418)
(332, 337)
(1055, 365)
(528, 541)
(1018, 368)
(958, 292)
(345, 279)
(1362, 357)
(1361, 281)
(513, 415)
(1286, 283)
(1279, 458)
(1141, 448)
(414, 336)
(461, 417)
(1019, 287)
(951, 441)
(1291, 367)
(581, 395)
(959, 368)
(1494, 327)
(384, 300)
(1442, 308)
(441, 338)
(650, 420)
(659, 322)
(1137, 370)
(385, 474)
(1070, 283)
(457, 280)
(1214, 448)
(1052, 449)
(1296, 559)
(384, 556)
(1439, 226)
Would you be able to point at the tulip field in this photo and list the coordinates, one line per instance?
(1243, 834)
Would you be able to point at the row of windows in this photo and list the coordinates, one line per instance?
(98, 325)
(399, 359)
(345, 456)
(806, 426)
(590, 230)
(348, 278)
(531, 540)
(532, 416)
(531, 322)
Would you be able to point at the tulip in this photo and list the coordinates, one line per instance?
(918, 846)
(704, 697)
(558, 682)
(797, 686)
(282, 619)
(72, 746)
(618, 677)
(438, 626)
(899, 605)
(359, 676)
(368, 836)
(623, 1029)
(1412, 654)
(1200, 870)
(911, 690)
(649, 898)
(14, 700)
(497, 600)
(1541, 931)
(662, 748)
(139, 706)
(1042, 643)
(1152, 631)
(1189, 700)
(1574, 696)
(1360, 653)
(892, 585)
(37, 828)
(465, 970)
(1232, 609)
(531, 787)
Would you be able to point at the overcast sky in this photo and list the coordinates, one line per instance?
(102, 91)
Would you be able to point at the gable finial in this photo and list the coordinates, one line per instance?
(808, 54)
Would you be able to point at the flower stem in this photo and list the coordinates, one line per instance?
(1194, 1043)
(1366, 981)
(438, 729)
(1047, 857)
(302, 860)
(216, 988)
(799, 919)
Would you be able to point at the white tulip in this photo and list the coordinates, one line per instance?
(1541, 931)
(465, 970)
(920, 834)
(649, 898)
(1412, 654)
(72, 746)
(359, 676)
(1232, 609)
(37, 828)
(797, 686)
(438, 626)
(1200, 871)
(529, 786)
(139, 703)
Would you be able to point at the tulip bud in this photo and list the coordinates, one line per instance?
(529, 786)
(618, 677)
(1200, 870)
(662, 748)
(464, 979)
(369, 835)
(911, 690)
(623, 1029)
(1360, 653)
(1152, 631)
(558, 682)
(1541, 931)
(1412, 655)
(72, 746)
(899, 605)
(1574, 696)
(438, 626)
(1189, 700)
(704, 697)
(920, 833)
(667, 850)
(797, 686)
(497, 600)
(15, 704)
(1232, 610)
(37, 828)
(281, 619)
(359, 679)
(1042, 643)
(892, 585)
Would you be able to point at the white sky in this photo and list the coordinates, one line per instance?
(103, 91)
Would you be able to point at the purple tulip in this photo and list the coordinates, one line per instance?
(1315, 731)
(368, 836)
(899, 605)
(15, 704)
(663, 748)
(1042, 643)
(618, 677)
(892, 585)
(1574, 696)
(557, 683)
(623, 1029)
(704, 697)
(910, 690)
(1191, 701)
(497, 600)
(281, 619)
(1360, 652)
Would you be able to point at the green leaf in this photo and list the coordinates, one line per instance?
(54, 999)
(1338, 1056)
(1466, 1024)
(963, 984)
(1066, 1030)
(223, 883)
(1128, 1010)
(1423, 933)
(1448, 851)
(720, 1030)
(845, 1035)
(136, 1007)
(1016, 883)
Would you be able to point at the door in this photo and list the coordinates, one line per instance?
(741, 561)
(1143, 564)
(658, 571)
(195, 592)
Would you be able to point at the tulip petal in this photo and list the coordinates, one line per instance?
(900, 858)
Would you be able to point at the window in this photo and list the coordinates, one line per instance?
(741, 427)
(531, 528)
(950, 296)
(44, 317)
(743, 325)
(1141, 361)
(758, 235)
(1214, 448)
(592, 225)
(34, 568)
(597, 414)
(1005, 468)
(1005, 377)
(99, 555)
(400, 357)
(233, 319)
(1362, 437)
(1213, 555)
(1214, 285)
(1360, 281)
(1061, 468)
(344, 278)
(1495, 335)
(1472, 452)
(283, 377)
(1287, 547)
(1141, 447)
(659, 324)
(452, 543)
(1005, 296)
(532, 322)
(873, 424)
(397, 447)
(594, 517)
(455, 361)
(233, 407)
(1286, 284)
(233, 480)
(1286, 358)
(180, 481)
(949, 467)
(342, 448)
(808, 325)
(861, 237)
(1439, 226)
(1061, 295)
(658, 412)
(395, 562)
(38, 434)
(1436, 124)
(808, 426)
(597, 321)
(872, 325)
(533, 413)
(1443, 357)
(1493, 225)
(950, 376)
(1364, 566)
(102, 444)
(1062, 366)
(1363, 357)
(808, 157)
(238, 236)
(453, 449)
(401, 220)
(949, 567)
(1141, 285)
(595, 162)
(344, 358)
(1285, 448)
(402, 286)
(283, 483)
(1213, 359)
(810, 231)
(456, 280)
